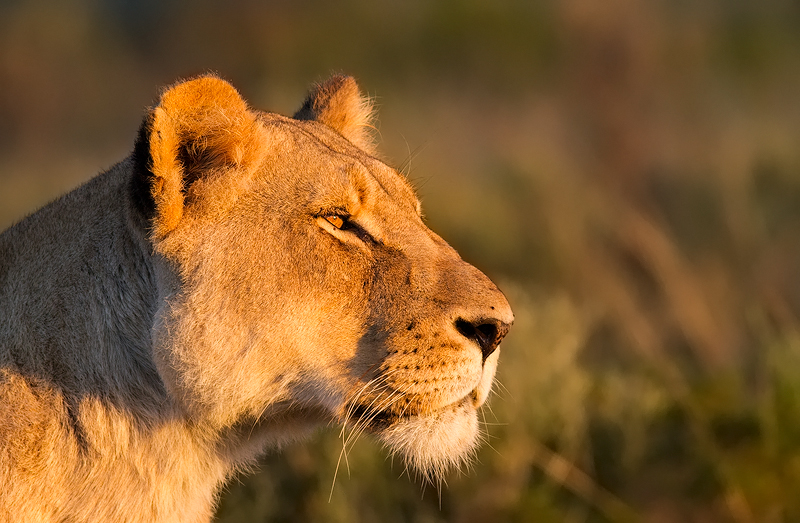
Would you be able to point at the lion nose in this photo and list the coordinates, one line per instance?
(487, 333)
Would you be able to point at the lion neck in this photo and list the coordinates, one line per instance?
(96, 374)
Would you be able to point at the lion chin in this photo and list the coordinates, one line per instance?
(433, 443)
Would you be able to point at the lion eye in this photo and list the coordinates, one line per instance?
(336, 221)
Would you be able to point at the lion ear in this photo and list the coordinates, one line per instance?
(200, 128)
(339, 104)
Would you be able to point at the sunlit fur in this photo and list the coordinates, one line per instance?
(169, 320)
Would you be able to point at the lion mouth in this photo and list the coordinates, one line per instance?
(373, 419)
(377, 420)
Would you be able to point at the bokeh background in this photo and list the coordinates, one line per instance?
(628, 171)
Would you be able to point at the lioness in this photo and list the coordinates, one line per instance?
(241, 278)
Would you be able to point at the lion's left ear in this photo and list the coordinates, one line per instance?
(339, 104)
(200, 128)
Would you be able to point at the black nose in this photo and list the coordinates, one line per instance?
(487, 333)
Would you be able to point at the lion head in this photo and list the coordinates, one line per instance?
(299, 283)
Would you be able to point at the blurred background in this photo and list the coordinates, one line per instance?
(628, 171)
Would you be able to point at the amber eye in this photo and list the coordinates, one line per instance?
(336, 221)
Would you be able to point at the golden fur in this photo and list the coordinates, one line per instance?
(240, 279)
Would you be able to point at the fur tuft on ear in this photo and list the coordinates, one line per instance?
(339, 104)
(200, 127)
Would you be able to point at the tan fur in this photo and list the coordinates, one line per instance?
(338, 104)
(166, 322)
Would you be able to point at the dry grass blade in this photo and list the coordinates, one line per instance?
(563, 472)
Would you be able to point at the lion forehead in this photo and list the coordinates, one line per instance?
(332, 166)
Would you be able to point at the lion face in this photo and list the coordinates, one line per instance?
(301, 283)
